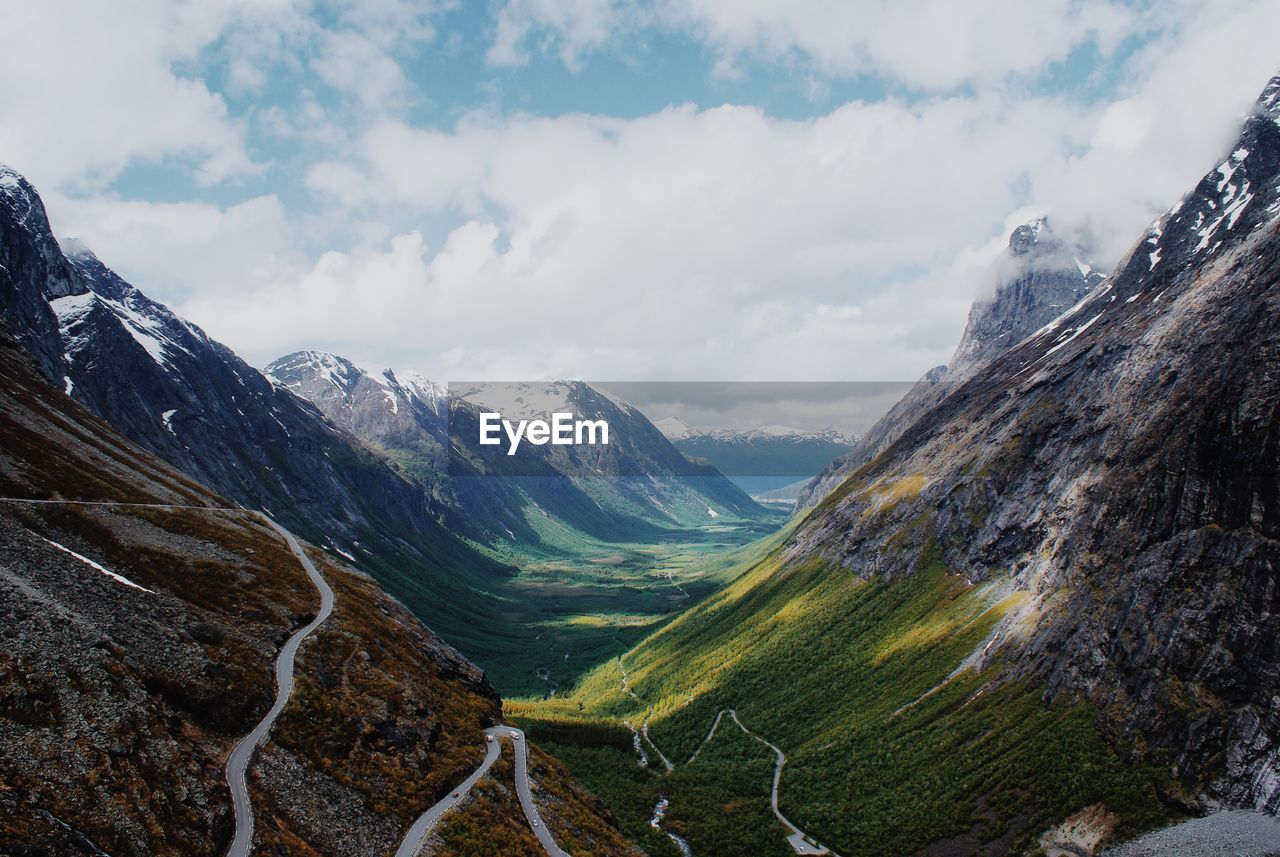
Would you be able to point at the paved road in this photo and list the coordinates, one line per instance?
(126, 505)
(799, 841)
(412, 842)
(242, 754)
(238, 762)
(526, 796)
(711, 733)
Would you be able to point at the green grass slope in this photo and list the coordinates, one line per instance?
(889, 749)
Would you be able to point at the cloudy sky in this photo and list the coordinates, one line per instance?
(652, 190)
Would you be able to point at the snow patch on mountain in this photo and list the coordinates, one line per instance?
(425, 389)
(118, 578)
(676, 429)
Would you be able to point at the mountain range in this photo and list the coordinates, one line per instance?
(1033, 609)
(632, 489)
(765, 459)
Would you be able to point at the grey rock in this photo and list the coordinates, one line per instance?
(1040, 277)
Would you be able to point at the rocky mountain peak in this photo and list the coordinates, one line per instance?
(20, 197)
(293, 370)
(33, 271)
(74, 248)
(1040, 278)
(1024, 238)
(674, 428)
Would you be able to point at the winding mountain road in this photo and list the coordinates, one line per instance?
(800, 842)
(711, 733)
(242, 754)
(238, 761)
(412, 842)
(526, 795)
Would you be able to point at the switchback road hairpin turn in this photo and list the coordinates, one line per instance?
(799, 841)
(412, 842)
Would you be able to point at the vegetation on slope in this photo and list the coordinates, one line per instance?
(569, 610)
(850, 679)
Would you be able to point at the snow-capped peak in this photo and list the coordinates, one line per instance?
(338, 371)
(74, 248)
(674, 428)
(422, 387)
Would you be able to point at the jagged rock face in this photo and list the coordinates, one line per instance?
(406, 412)
(1123, 467)
(1039, 278)
(29, 256)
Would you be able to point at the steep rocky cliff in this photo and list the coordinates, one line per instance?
(1121, 467)
(1039, 278)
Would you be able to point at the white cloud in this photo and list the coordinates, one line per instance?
(566, 28)
(687, 243)
(89, 87)
(928, 44)
(725, 243)
(350, 62)
(181, 249)
(392, 23)
(92, 88)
